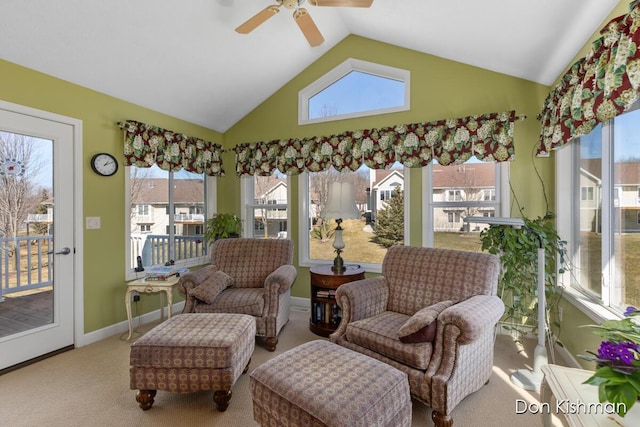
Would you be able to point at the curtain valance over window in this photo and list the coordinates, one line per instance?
(489, 137)
(146, 145)
(598, 87)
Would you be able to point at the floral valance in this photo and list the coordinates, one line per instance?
(489, 137)
(146, 145)
(598, 87)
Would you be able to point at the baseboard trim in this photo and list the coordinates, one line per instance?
(123, 327)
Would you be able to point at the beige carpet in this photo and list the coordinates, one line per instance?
(89, 386)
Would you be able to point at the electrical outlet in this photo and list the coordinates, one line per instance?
(135, 296)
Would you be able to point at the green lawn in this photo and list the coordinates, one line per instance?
(360, 249)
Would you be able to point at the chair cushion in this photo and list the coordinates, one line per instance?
(380, 335)
(421, 327)
(209, 290)
(236, 300)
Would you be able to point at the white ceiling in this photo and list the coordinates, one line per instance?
(183, 57)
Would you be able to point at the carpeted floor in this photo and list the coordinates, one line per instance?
(89, 386)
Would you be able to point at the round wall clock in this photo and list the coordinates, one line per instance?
(104, 164)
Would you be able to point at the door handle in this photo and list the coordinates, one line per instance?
(63, 251)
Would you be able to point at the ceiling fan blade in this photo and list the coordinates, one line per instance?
(253, 22)
(342, 3)
(308, 27)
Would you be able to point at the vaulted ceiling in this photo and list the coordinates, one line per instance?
(183, 57)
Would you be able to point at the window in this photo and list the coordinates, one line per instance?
(166, 216)
(586, 193)
(454, 196)
(374, 190)
(143, 210)
(339, 94)
(266, 214)
(602, 227)
(454, 192)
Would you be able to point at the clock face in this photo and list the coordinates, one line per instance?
(104, 164)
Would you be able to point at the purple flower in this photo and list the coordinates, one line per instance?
(620, 352)
(630, 310)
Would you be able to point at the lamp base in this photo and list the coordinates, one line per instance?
(338, 263)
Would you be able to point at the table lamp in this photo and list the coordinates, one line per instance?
(341, 204)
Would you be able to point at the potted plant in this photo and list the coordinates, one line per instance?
(618, 361)
(518, 282)
(221, 226)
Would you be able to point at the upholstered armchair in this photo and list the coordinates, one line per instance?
(432, 314)
(246, 276)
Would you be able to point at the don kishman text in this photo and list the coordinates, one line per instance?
(566, 406)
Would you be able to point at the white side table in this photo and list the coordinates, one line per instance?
(149, 287)
(563, 386)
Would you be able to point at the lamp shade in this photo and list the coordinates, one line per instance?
(341, 202)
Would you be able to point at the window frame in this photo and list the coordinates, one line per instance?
(210, 196)
(501, 204)
(337, 73)
(598, 309)
(247, 195)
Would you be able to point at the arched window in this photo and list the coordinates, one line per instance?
(354, 88)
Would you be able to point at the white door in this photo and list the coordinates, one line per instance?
(36, 234)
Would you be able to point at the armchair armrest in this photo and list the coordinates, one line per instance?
(359, 300)
(473, 316)
(282, 278)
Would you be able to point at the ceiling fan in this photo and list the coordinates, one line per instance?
(300, 15)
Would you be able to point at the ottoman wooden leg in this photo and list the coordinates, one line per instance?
(145, 398)
(221, 399)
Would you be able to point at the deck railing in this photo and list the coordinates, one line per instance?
(25, 263)
(154, 248)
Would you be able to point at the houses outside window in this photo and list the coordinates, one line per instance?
(602, 227)
(166, 217)
(454, 192)
(266, 213)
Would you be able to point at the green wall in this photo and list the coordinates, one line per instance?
(440, 89)
(104, 269)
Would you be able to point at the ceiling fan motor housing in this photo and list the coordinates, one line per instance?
(291, 4)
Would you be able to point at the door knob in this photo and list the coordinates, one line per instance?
(63, 251)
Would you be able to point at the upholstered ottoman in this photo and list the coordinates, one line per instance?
(323, 384)
(192, 352)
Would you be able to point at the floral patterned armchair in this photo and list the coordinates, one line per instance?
(246, 276)
(432, 314)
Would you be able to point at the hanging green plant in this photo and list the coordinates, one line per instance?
(518, 251)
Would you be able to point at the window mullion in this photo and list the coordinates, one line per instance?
(607, 250)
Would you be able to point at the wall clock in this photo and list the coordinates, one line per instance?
(104, 164)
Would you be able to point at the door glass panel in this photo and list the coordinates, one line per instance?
(26, 227)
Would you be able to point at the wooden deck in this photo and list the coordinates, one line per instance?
(19, 314)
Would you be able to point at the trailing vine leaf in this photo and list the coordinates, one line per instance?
(518, 251)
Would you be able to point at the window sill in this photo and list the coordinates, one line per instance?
(592, 309)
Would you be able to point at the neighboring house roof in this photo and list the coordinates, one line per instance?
(477, 175)
(153, 191)
(385, 176)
